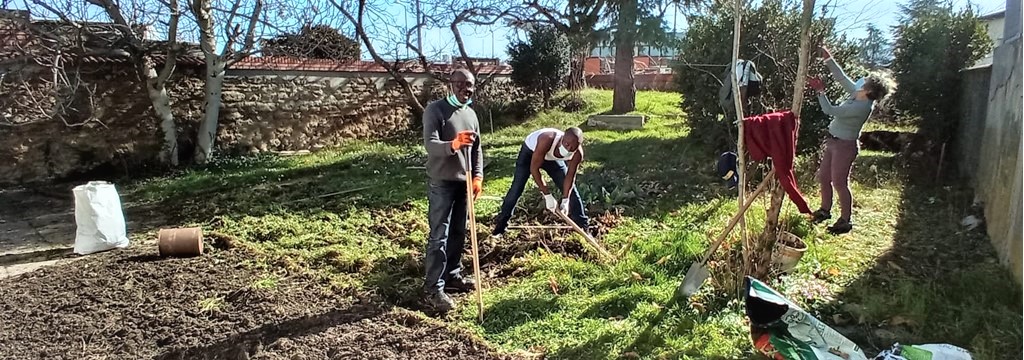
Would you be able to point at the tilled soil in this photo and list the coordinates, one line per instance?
(131, 304)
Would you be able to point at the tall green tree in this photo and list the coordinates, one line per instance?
(933, 45)
(875, 48)
(581, 23)
(635, 21)
(540, 65)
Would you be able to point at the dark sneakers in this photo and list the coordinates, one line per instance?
(460, 284)
(820, 215)
(841, 226)
(440, 301)
(443, 303)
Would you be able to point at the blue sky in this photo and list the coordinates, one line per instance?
(389, 18)
(854, 16)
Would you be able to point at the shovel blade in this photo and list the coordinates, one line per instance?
(693, 279)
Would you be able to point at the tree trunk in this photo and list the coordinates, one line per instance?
(624, 96)
(577, 65)
(207, 134)
(162, 107)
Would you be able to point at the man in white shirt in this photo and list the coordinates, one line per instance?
(559, 154)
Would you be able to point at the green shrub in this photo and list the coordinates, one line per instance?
(540, 64)
(933, 45)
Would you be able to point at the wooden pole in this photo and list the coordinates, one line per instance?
(758, 267)
(741, 165)
(805, 52)
(541, 227)
(471, 211)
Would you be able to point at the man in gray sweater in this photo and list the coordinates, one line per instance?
(451, 135)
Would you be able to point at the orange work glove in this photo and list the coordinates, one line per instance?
(478, 187)
(463, 139)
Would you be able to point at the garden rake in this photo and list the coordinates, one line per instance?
(471, 211)
(698, 272)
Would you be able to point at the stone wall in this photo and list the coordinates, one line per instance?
(261, 111)
(277, 111)
(998, 177)
(658, 82)
(114, 126)
(264, 113)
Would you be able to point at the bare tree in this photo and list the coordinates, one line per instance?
(237, 46)
(155, 82)
(395, 68)
(115, 33)
(39, 70)
(372, 27)
(480, 14)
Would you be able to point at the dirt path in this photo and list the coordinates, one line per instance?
(132, 305)
(38, 223)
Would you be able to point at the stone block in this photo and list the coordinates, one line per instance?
(232, 96)
(624, 122)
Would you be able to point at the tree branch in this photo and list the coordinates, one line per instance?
(59, 14)
(250, 34)
(462, 47)
(229, 33)
(391, 69)
(172, 43)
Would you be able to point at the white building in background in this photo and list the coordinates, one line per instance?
(994, 22)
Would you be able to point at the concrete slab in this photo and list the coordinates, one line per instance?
(60, 234)
(37, 226)
(622, 122)
(32, 220)
(17, 231)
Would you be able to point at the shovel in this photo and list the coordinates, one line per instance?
(472, 237)
(698, 272)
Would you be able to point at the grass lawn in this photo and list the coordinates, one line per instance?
(356, 216)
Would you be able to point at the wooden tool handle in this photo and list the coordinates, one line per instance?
(471, 211)
(739, 215)
(590, 239)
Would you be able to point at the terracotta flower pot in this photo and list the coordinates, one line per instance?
(180, 242)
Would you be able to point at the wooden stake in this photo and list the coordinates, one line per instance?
(771, 229)
(741, 164)
(942, 159)
(336, 193)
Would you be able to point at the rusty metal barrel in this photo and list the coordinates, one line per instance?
(180, 242)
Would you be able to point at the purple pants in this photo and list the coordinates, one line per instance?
(834, 172)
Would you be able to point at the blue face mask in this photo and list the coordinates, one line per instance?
(454, 101)
(563, 150)
(859, 85)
